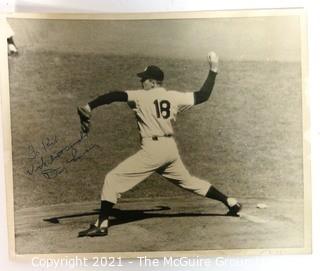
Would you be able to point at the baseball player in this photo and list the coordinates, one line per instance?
(155, 109)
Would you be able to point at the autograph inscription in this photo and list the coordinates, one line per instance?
(51, 162)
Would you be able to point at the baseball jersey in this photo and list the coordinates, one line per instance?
(156, 108)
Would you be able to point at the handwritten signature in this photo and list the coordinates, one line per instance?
(52, 163)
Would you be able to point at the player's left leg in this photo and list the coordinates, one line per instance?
(122, 178)
(177, 173)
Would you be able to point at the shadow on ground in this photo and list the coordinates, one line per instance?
(119, 217)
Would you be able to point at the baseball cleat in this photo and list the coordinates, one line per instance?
(94, 231)
(234, 210)
(12, 49)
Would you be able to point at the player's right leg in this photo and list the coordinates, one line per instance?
(125, 176)
(177, 173)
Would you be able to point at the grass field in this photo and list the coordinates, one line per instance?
(246, 140)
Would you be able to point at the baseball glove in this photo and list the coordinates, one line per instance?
(85, 116)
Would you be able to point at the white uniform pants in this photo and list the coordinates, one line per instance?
(161, 156)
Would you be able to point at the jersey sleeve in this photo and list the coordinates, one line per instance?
(133, 97)
(183, 100)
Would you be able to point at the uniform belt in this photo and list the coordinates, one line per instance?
(156, 138)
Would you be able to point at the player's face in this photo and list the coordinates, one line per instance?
(147, 84)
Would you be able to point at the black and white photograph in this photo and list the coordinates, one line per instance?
(180, 133)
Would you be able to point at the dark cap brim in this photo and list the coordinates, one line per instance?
(141, 74)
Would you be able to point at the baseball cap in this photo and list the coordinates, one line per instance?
(151, 72)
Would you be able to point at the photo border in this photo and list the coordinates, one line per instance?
(5, 108)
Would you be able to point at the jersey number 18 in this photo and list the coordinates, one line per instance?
(162, 108)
